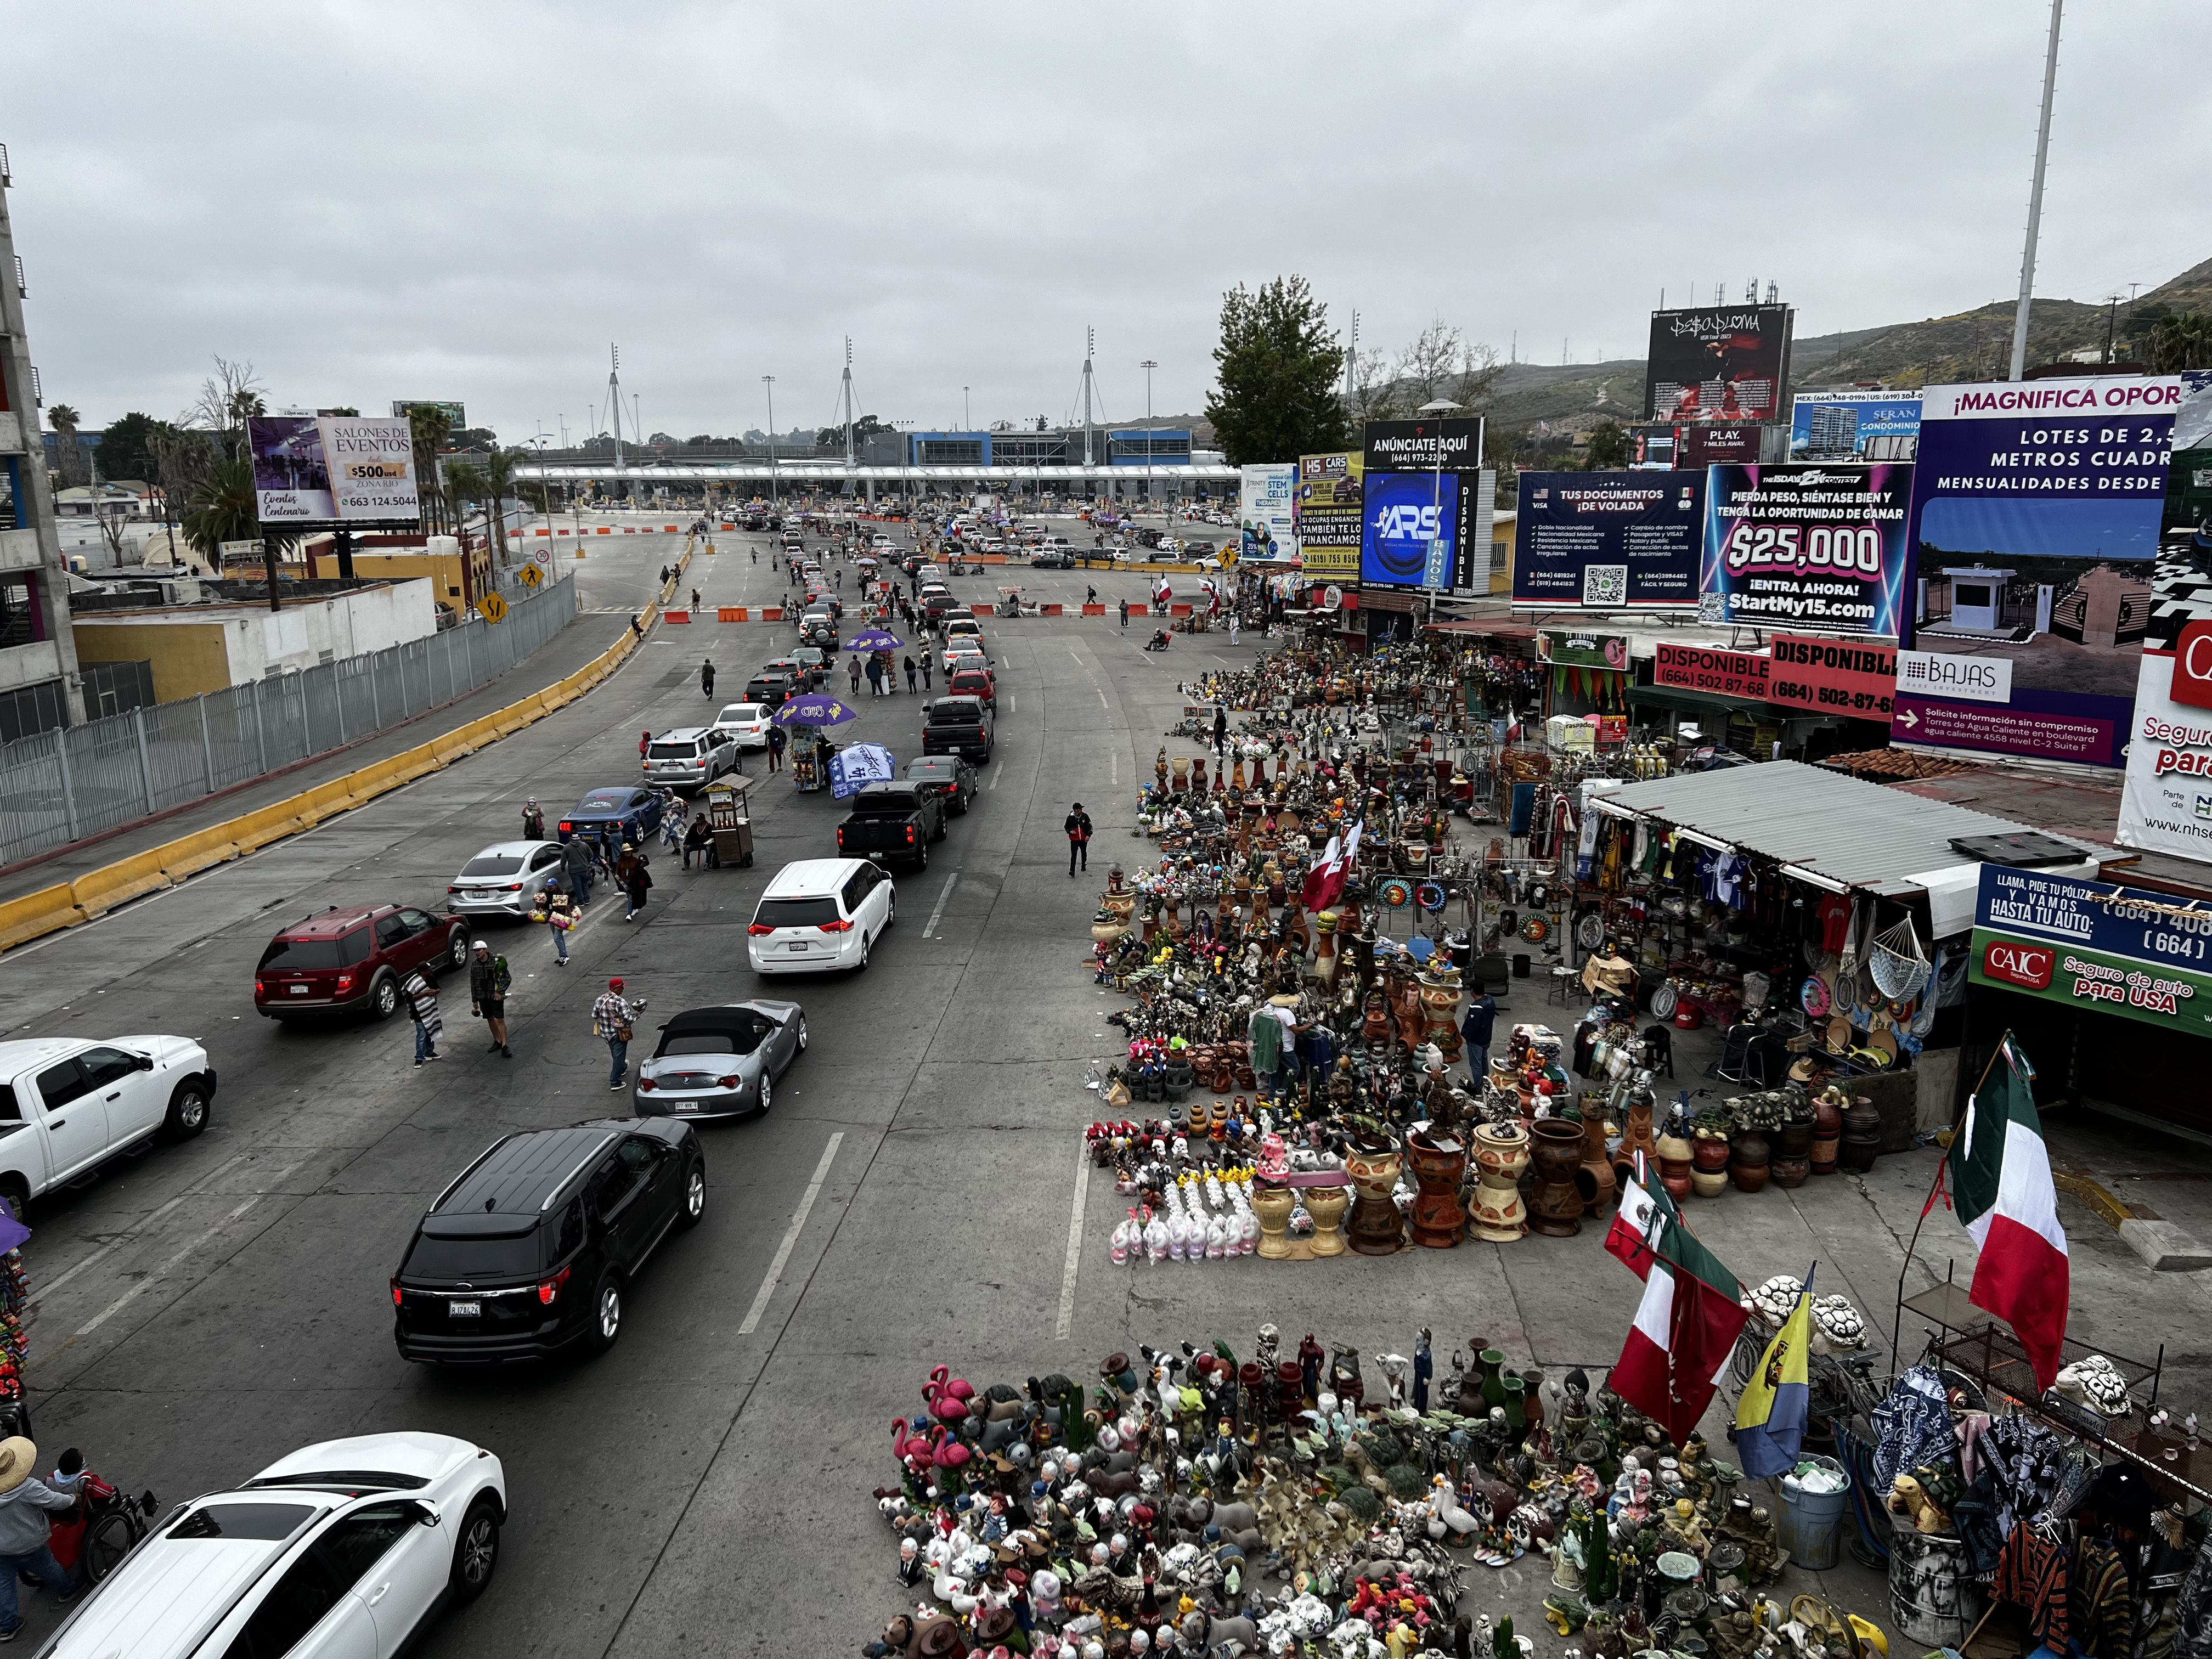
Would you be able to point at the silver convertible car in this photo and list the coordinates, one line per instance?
(722, 1061)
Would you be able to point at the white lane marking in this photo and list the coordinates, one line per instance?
(1013, 703)
(930, 926)
(129, 1296)
(997, 769)
(1066, 1321)
(1113, 767)
(139, 1231)
(1102, 697)
(790, 1238)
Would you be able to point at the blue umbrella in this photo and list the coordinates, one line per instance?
(816, 708)
(874, 639)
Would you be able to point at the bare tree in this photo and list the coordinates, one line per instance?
(184, 459)
(1441, 362)
(228, 397)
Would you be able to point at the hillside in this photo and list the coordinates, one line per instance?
(1969, 345)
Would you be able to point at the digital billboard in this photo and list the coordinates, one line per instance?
(1266, 510)
(454, 413)
(348, 471)
(1854, 426)
(1411, 534)
(1328, 514)
(1608, 541)
(1718, 363)
(1455, 444)
(1806, 545)
(2035, 536)
(1714, 444)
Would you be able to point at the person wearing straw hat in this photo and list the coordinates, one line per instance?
(25, 1504)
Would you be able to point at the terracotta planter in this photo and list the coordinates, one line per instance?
(1861, 1141)
(1376, 1228)
(1674, 1158)
(1750, 1160)
(1555, 1206)
(1326, 1204)
(1500, 1155)
(1707, 1183)
(1828, 1134)
(1789, 1172)
(1709, 1154)
(1636, 1138)
(1274, 1205)
(1438, 1168)
(1595, 1183)
(1794, 1140)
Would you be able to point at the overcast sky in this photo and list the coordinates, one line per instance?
(435, 201)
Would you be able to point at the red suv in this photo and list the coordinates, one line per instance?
(973, 682)
(345, 959)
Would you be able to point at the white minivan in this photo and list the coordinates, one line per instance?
(821, 914)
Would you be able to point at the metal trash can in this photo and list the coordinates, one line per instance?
(1811, 1524)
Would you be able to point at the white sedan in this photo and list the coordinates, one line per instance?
(505, 879)
(343, 1550)
(747, 722)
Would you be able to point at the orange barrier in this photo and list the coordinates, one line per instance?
(604, 531)
(730, 613)
(676, 616)
(1178, 610)
(1050, 609)
(1094, 609)
(981, 610)
(771, 613)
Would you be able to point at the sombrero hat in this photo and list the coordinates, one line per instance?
(19, 1458)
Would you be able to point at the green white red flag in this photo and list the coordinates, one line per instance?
(1692, 1312)
(2000, 1174)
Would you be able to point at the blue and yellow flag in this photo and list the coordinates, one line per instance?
(1770, 1417)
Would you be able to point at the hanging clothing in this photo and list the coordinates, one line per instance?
(2192, 1608)
(2162, 1563)
(2033, 1470)
(1834, 917)
(2032, 1573)
(1913, 1425)
(2101, 1615)
(1524, 809)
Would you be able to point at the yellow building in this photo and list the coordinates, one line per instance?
(1501, 552)
(457, 579)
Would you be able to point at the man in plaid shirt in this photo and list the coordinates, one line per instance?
(611, 1019)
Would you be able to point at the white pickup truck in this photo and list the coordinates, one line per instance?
(67, 1103)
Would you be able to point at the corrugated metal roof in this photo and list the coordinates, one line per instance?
(1863, 835)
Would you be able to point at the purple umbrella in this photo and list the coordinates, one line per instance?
(874, 639)
(816, 708)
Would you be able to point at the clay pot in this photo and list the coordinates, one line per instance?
(1274, 1205)
(1794, 1140)
(1438, 1168)
(1707, 1183)
(1105, 933)
(1789, 1172)
(1327, 1206)
(1377, 1227)
(1501, 1154)
(1675, 1153)
(1635, 1137)
(1861, 1141)
(1750, 1160)
(1709, 1154)
(1555, 1205)
(1827, 1133)
(1595, 1183)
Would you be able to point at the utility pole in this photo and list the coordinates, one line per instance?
(1090, 344)
(1351, 365)
(2035, 200)
(614, 398)
(967, 419)
(2111, 322)
(1148, 366)
(769, 380)
(849, 412)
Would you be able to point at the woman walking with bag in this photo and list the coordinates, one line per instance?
(558, 913)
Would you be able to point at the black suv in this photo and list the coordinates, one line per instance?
(532, 1247)
(957, 725)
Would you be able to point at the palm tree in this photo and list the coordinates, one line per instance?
(430, 427)
(498, 480)
(2175, 343)
(225, 510)
(68, 458)
(464, 483)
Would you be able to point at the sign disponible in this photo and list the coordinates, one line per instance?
(1743, 674)
(1608, 541)
(2065, 939)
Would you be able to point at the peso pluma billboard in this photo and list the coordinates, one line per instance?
(1806, 545)
(1718, 363)
(1266, 510)
(1328, 514)
(1608, 541)
(344, 471)
(2036, 509)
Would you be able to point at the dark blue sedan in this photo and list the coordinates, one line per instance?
(635, 812)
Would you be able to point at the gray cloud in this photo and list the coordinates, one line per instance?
(409, 200)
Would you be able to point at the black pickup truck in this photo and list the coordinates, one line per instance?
(957, 725)
(892, 821)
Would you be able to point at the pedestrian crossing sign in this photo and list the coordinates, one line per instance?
(531, 575)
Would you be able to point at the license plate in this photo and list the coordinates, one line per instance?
(475, 893)
(465, 1309)
(298, 990)
(798, 946)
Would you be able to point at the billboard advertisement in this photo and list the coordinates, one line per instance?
(2141, 955)
(1806, 545)
(1412, 445)
(1411, 533)
(1608, 541)
(334, 470)
(1328, 514)
(1746, 674)
(1854, 426)
(1853, 677)
(1724, 364)
(1266, 510)
(1706, 446)
(2036, 509)
(455, 414)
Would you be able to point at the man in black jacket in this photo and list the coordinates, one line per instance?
(1078, 825)
(488, 997)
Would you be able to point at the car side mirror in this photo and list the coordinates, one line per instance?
(424, 1513)
(145, 1062)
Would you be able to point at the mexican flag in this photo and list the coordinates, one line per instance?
(1687, 1323)
(2000, 1173)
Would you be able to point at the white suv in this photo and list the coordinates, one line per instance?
(344, 1548)
(690, 756)
(820, 914)
(745, 723)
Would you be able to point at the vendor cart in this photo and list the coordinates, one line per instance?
(730, 815)
(809, 760)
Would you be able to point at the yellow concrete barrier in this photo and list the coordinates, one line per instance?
(102, 890)
(35, 914)
(271, 823)
(188, 853)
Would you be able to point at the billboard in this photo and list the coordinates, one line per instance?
(1707, 444)
(1854, 426)
(1609, 541)
(2036, 509)
(1806, 545)
(458, 416)
(1414, 445)
(349, 472)
(1852, 677)
(1266, 513)
(1328, 514)
(1724, 364)
(1420, 496)
(1745, 674)
(2122, 950)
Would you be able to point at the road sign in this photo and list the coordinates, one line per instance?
(542, 558)
(530, 577)
(493, 607)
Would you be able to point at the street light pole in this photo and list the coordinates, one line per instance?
(769, 380)
(1439, 408)
(1148, 366)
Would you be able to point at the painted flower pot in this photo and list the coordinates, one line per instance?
(1274, 1205)
(1438, 1168)
(1555, 1205)
(1327, 1206)
(1707, 1183)
(1377, 1227)
(1501, 1153)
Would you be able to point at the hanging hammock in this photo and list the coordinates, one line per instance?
(1898, 964)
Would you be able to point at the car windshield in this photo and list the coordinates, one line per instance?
(711, 1042)
(509, 1256)
(796, 912)
(686, 749)
(740, 714)
(492, 864)
(601, 803)
(310, 953)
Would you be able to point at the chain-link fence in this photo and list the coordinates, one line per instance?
(64, 784)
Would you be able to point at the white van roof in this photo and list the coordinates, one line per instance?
(811, 877)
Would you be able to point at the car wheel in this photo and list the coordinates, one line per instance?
(456, 950)
(921, 855)
(188, 1112)
(384, 996)
(766, 1093)
(475, 1551)
(694, 1195)
(891, 907)
(861, 966)
(606, 1313)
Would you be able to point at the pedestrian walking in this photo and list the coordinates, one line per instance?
(875, 676)
(644, 744)
(421, 990)
(929, 661)
(534, 821)
(636, 631)
(1078, 825)
(559, 911)
(1125, 613)
(1475, 1030)
(699, 839)
(853, 668)
(1220, 729)
(910, 668)
(694, 599)
(613, 1017)
(576, 862)
(707, 677)
(27, 1506)
(488, 985)
(610, 846)
(636, 884)
(775, 742)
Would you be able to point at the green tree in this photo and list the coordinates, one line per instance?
(430, 427)
(1278, 365)
(69, 458)
(2175, 343)
(1610, 446)
(224, 509)
(465, 483)
(126, 448)
(499, 482)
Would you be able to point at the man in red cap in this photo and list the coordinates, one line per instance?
(611, 1018)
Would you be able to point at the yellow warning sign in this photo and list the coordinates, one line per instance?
(530, 577)
(493, 607)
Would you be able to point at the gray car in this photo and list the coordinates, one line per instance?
(722, 1061)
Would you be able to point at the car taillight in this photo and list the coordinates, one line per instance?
(260, 988)
(346, 982)
(909, 835)
(550, 1288)
(698, 762)
(647, 1086)
(837, 926)
(395, 1292)
(729, 1082)
(758, 928)
(841, 835)
(565, 826)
